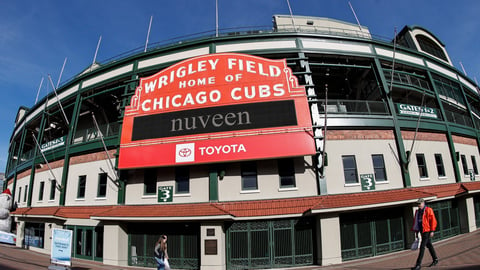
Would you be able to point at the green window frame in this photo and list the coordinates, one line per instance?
(182, 180)
(249, 175)
(150, 181)
(286, 172)
(422, 166)
(19, 194)
(350, 172)
(102, 185)
(40, 191)
(379, 168)
(474, 164)
(25, 194)
(440, 165)
(53, 186)
(464, 164)
(82, 186)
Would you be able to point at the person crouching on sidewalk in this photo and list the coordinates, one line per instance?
(425, 223)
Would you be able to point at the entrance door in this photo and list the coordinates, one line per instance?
(88, 242)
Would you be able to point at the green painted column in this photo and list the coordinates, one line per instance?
(402, 154)
(451, 144)
(20, 150)
(213, 185)
(66, 160)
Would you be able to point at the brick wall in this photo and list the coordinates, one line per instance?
(464, 140)
(92, 157)
(360, 135)
(424, 136)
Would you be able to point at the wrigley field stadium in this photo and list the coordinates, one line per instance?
(304, 144)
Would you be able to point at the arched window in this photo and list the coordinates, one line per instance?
(429, 46)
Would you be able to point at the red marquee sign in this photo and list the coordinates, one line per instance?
(216, 108)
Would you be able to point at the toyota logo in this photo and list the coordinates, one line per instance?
(184, 152)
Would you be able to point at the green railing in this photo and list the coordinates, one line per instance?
(457, 118)
(406, 79)
(362, 107)
(91, 134)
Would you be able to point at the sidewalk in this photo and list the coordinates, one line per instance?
(460, 253)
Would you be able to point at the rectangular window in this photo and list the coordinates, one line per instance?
(440, 167)
(464, 164)
(286, 171)
(249, 175)
(102, 185)
(19, 194)
(379, 168)
(40, 191)
(53, 186)
(474, 164)
(82, 183)
(25, 194)
(182, 180)
(150, 182)
(350, 169)
(422, 166)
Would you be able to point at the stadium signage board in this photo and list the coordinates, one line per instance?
(216, 108)
(413, 110)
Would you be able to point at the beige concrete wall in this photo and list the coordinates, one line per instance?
(329, 240)
(468, 151)
(91, 170)
(115, 239)
(166, 177)
(213, 262)
(46, 176)
(21, 183)
(230, 188)
(363, 151)
(429, 149)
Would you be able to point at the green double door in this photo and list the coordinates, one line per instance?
(87, 242)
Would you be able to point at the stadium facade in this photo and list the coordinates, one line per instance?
(307, 144)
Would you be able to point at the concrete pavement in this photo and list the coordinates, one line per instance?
(459, 253)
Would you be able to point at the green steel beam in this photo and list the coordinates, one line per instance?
(213, 184)
(402, 154)
(20, 149)
(32, 172)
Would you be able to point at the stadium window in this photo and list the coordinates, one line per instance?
(25, 194)
(286, 172)
(440, 166)
(429, 46)
(82, 183)
(102, 185)
(249, 176)
(19, 193)
(40, 191)
(422, 166)
(150, 182)
(350, 169)
(464, 164)
(379, 168)
(53, 185)
(474, 164)
(182, 180)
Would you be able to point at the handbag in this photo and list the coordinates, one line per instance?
(167, 264)
(415, 244)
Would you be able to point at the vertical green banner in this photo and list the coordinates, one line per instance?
(165, 194)
(367, 181)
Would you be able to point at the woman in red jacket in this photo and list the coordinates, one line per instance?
(425, 223)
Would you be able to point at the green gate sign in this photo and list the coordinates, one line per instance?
(367, 181)
(413, 110)
(165, 194)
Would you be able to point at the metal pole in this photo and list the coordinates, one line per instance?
(393, 58)
(148, 33)
(104, 145)
(43, 155)
(291, 15)
(38, 91)
(464, 72)
(58, 100)
(96, 51)
(355, 14)
(61, 72)
(216, 18)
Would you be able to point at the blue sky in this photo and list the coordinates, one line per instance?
(36, 36)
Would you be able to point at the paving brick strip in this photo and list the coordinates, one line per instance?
(459, 253)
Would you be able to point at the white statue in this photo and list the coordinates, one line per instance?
(6, 204)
